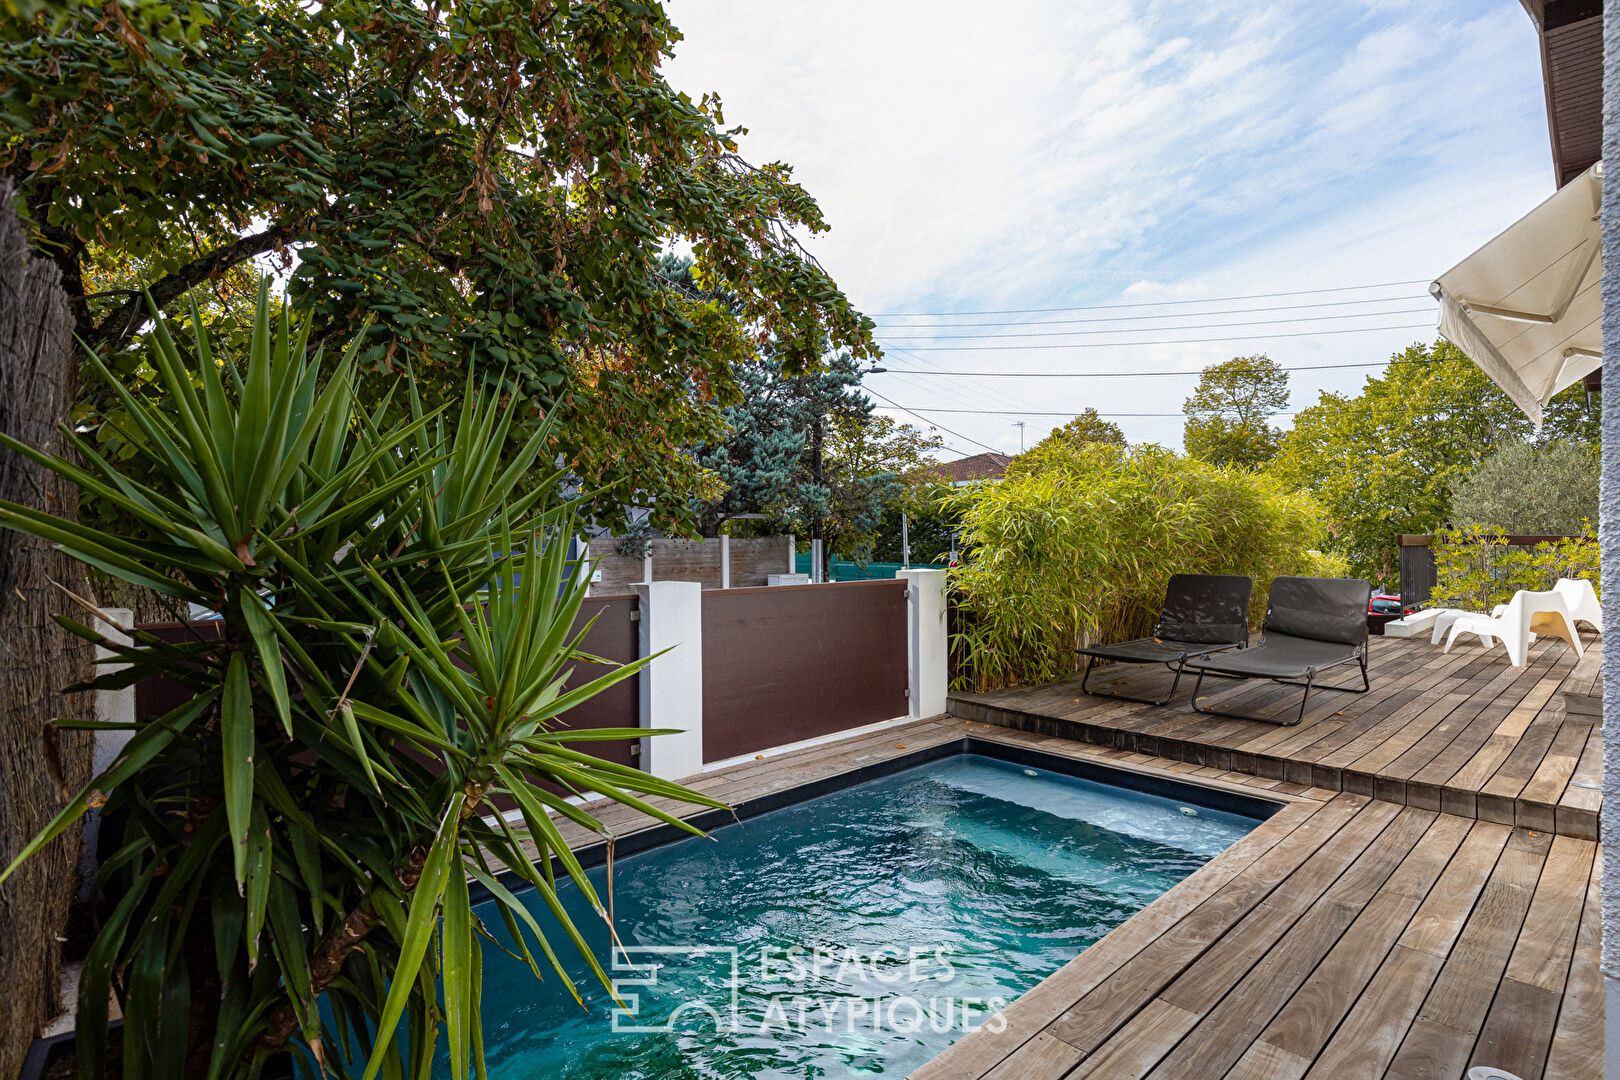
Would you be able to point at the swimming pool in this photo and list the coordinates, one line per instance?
(857, 933)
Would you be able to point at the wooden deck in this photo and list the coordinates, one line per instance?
(1464, 733)
(1355, 934)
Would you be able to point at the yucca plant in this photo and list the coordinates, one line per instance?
(397, 634)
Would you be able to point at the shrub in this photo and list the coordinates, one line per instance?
(1535, 490)
(397, 642)
(1477, 568)
(1078, 542)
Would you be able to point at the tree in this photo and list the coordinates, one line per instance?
(759, 457)
(930, 524)
(1382, 462)
(1524, 489)
(1228, 414)
(1088, 427)
(475, 188)
(399, 633)
(872, 464)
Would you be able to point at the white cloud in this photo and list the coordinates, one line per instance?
(1051, 154)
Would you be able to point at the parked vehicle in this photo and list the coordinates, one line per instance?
(1386, 604)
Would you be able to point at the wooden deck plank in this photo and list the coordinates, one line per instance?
(1577, 1047)
(1189, 955)
(1461, 732)
(1253, 1001)
(1302, 1027)
(1443, 1036)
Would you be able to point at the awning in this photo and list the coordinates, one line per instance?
(1527, 307)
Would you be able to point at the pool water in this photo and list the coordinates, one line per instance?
(856, 934)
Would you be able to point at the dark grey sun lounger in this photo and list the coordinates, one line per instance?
(1202, 614)
(1311, 624)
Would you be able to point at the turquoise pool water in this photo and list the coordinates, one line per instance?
(857, 934)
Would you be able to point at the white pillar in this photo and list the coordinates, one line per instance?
(112, 707)
(672, 685)
(646, 565)
(725, 561)
(793, 562)
(926, 641)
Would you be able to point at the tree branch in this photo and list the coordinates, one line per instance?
(118, 327)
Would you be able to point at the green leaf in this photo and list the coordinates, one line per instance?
(457, 973)
(237, 744)
(418, 931)
(137, 753)
(261, 625)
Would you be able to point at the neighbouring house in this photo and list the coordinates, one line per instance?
(970, 470)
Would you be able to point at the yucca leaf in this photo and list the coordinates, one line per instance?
(137, 753)
(359, 744)
(260, 624)
(260, 869)
(418, 930)
(237, 744)
(456, 973)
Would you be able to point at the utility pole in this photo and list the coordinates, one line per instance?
(1019, 424)
(817, 574)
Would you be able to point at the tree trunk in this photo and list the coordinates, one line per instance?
(38, 771)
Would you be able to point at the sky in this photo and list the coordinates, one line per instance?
(1072, 189)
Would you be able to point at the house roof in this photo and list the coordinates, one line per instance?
(977, 467)
(1572, 68)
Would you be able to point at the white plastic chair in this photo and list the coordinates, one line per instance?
(1444, 617)
(1582, 601)
(1527, 614)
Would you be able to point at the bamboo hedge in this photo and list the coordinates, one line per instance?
(1076, 543)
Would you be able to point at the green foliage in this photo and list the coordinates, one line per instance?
(1088, 427)
(478, 189)
(1530, 490)
(1078, 543)
(395, 652)
(760, 457)
(1228, 414)
(1476, 569)
(931, 518)
(1382, 462)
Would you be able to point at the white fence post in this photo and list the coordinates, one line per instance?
(672, 685)
(925, 641)
(793, 551)
(114, 707)
(725, 561)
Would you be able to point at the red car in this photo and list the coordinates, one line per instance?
(1385, 604)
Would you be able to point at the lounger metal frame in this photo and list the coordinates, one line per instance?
(1178, 666)
(1309, 683)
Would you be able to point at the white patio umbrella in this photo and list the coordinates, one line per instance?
(1527, 306)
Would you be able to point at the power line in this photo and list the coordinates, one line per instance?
(1034, 412)
(1173, 314)
(1151, 303)
(1189, 326)
(1141, 374)
(1169, 341)
(963, 395)
(931, 423)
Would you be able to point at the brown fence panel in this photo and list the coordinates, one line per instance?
(615, 636)
(797, 661)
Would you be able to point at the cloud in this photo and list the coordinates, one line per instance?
(1051, 154)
